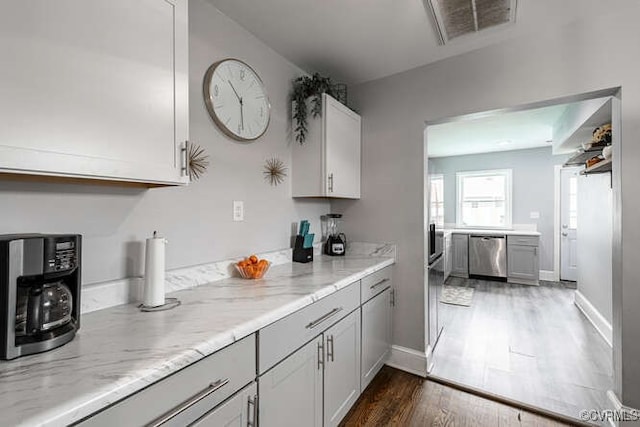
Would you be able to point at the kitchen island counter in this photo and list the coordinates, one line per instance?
(121, 350)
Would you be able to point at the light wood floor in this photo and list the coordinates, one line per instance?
(527, 343)
(396, 398)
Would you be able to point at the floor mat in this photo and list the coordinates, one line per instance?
(456, 295)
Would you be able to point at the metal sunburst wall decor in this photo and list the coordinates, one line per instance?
(198, 162)
(274, 171)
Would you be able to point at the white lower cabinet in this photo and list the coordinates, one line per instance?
(376, 335)
(238, 411)
(291, 392)
(341, 368)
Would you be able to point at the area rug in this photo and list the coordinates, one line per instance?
(456, 295)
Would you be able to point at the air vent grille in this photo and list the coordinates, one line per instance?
(455, 18)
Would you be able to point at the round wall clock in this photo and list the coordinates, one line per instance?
(237, 100)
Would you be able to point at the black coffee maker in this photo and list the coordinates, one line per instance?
(336, 244)
(39, 292)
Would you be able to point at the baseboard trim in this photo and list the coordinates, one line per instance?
(408, 360)
(593, 315)
(548, 275)
(619, 407)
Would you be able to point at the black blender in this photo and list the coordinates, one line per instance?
(336, 243)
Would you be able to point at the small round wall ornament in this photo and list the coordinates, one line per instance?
(274, 171)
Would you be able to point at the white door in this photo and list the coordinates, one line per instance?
(568, 223)
(342, 368)
(94, 88)
(238, 411)
(342, 149)
(376, 335)
(291, 392)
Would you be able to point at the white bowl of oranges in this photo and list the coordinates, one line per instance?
(252, 267)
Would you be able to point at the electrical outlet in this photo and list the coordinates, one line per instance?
(238, 210)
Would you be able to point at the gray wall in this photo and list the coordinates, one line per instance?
(196, 219)
(532, 188)
(595, 201)
(546, 65)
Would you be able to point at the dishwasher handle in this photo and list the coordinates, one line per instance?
(487, 237)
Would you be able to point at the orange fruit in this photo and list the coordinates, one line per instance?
(253, 259)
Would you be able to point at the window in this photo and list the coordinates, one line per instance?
(436, 197)
(484, 198)
(573, 202)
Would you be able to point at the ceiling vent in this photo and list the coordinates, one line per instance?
(455, 18)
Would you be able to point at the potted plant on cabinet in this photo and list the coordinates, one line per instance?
(306, 87)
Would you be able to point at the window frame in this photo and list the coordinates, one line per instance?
(508, 173)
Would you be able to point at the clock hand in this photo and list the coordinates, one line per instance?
(241, 114)
(235, 91)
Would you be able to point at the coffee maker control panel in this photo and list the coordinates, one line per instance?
(60, 254)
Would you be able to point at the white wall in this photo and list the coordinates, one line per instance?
(594, 235)
(532, 188)
(579, 58)
(196, 219)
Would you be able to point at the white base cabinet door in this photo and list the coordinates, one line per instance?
(376, 335)
(291, 392)
(239, 411)
(342, 368)
(95, 89)
(522, 264)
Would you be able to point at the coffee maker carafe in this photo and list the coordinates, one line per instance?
(39, 292)
(336, 244)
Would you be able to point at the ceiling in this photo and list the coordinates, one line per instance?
(506, 131)
(354, 41)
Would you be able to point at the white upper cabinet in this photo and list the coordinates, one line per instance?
(327, 164)
(95, 89)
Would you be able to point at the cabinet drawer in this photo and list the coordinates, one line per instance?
(283, 337)
(375, 283)
(523, 240)
(215, 377)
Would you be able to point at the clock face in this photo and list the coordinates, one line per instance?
(237, 100)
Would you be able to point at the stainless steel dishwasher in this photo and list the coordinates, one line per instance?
(488, 255)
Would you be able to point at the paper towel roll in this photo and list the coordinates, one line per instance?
(154, 272)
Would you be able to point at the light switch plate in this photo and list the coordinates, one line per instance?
(238, 210)
(534, 215)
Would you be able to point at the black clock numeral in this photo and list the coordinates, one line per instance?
(239, 129)
(242, 74)
(261, 111)
(216, 90)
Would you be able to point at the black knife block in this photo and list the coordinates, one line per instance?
(300, 253)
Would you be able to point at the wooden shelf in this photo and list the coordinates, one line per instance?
(600, 167)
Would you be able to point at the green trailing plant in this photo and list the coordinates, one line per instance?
(303, 88)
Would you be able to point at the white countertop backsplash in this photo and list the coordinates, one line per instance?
(121, 350)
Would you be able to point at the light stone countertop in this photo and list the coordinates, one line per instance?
(121, 350)
(488, 232)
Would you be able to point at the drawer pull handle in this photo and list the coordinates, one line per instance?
(321, 319)
(212, 388)
(379, 283)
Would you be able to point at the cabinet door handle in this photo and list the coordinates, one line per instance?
(320, 355)
(212, 388)
(252, 402)
(184, 151)
(330, 183)
(378, 284)
(322, 318)
(330, 349)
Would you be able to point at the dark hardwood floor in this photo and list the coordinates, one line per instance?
(396, 398)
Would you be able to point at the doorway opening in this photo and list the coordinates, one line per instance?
(520, 229)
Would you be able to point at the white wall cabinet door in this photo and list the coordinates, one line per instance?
(522, 263)
(291, 392)
(328, 163)
(95, 89)
(460, 261)
(342, 368)
(238, 411)
(376, 335)
(342, 130)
